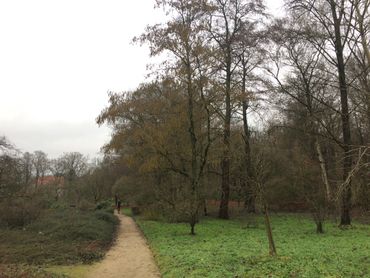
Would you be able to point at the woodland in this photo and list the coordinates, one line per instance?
(248, 107)
(249, 120)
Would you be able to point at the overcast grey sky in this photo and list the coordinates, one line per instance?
(58, 59)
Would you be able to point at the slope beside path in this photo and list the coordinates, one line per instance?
(129, 257)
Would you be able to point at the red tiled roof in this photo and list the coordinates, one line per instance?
(50, 180)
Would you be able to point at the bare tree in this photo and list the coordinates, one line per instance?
(251, 56)
(40, 163)
(226, 23)
(28, 167)
(329, 30)
(72, 165)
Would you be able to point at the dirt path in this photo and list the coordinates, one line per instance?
(129, 257)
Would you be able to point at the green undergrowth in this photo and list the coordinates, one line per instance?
(71, 271)
(24, 271)
(59, 237)
(239, 248)
(127, 211)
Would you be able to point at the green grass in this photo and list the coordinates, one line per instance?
(126, 211)
(24, 271)
(73, 271)
(234, 249)
(59, 237)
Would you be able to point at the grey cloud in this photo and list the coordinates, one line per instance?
(57, 137)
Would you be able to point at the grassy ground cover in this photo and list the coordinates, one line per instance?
(127, 211)
(70, 271)
(238, 248)
(59, 237)
(24, 271)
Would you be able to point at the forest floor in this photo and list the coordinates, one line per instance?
(129, 257)
(239, 248)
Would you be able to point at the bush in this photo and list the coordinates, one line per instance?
(105, 216)
(85, 205)
(106, 205)
(135, 211)
(59, 236)
(103, 204)
(88, 257)
(151, 214)
(110, 210)
(22, 271)
(19, 212)
(59, 205)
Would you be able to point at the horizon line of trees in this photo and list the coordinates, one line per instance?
(25, 193)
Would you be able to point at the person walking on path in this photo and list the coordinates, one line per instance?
(116, 200)
(119, 206)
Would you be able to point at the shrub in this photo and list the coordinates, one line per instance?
(135, 210)
(105, 216)
(106, 206)
(85, 205)
(59, 205)
(151, 214)
(19, 212)
(88, 257)
(23, 271)
(109, 210)
(59, 236)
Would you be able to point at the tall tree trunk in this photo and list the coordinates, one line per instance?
(225, 168)
(225, 164)
(192, 228)
(249, 192)
(37, 177)
(346, 129)
(319, 227)
(193, 140)
(205, 211)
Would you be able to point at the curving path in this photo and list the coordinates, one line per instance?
(130, 256)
